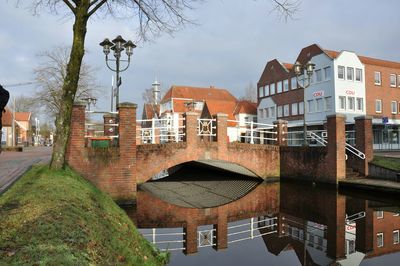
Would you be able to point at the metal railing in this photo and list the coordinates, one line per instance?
(162, 130)
(252, 132)
(251, 229)
(165, 244)
(206, 127)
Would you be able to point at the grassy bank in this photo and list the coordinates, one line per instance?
(387, 162)
(58, 218)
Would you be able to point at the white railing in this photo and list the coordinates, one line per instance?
(206, 127)
(151, 131)
(206, 238)
(313, 136)
(355, 151)
(251, 230)
(165, 244)
(351, 218)
(251, 132)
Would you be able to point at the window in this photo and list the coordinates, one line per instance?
(293, 83)
(286, 85)
(350, 102)
(379, 240)
(280, 111)
(272, 87)
(394, 107)
(301, 108)
(272, 112)
(340, 72)
(378, 106)
(294, 109)
(360, 104)
(266, 92)
(311, 106)
(279, 87)
(342, 102)
(261, 113)
(261, 92)
(358, 74)
(286, 110)
(318, 75)
(327, 73)
(266, 112)
(379, 214)
(328, 103)
(396, 236)
(377, 78)
(398, 80)
(350, 73)
(392, 80)
(319, 104)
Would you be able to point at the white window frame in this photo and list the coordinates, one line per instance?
(279, 110)
(393, 85)
(293, 83)
(379, 214)
(301, 108)
(286, 110)
(286, 85)
(393, 104)
(396, 241)
(350, 70)
(318, 75)
(273, 89)
(351, 102)
(379, 81)
(279, 87)
(379, 245)
(261, 91)
(380, 106)
(327, 103)
(359, 70)
(295, 109)
(266, 90)
(398, 80)
(342, 106)
(344, 72)
(272, 111)
(358, 101)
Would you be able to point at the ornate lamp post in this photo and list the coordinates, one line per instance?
(90, 101)
(305, 72)
(117, 45)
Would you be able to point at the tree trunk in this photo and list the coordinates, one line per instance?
(63, 119)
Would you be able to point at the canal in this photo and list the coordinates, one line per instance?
(209, 217)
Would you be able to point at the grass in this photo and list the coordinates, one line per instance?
(387, 162)
(58, 218)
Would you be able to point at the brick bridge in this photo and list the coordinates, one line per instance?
(118, 170)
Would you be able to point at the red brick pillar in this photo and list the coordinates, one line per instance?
(365, 231)
(336, 217)
(221, 231)
(222, 135)
(282, 132)
(190, 237)
(190, 123)
(110, 130)
(336, 158)
(125, 184)
(364, 140)
(76, 145)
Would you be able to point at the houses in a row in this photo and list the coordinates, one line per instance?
(16, 127)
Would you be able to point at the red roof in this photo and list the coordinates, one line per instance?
(288, 66)
(198, 94)
(367, 60)
(22, 116)
(6, 118)
(246, 107)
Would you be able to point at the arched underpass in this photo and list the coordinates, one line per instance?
(203, 184)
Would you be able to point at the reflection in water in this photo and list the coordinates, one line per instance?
(275, 224)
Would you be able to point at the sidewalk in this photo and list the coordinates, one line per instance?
(14, 164)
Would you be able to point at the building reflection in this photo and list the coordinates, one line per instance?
(321, 226)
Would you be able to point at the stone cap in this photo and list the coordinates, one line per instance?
(80, 103)
(127, 105)
(363, 117)
(280, 121)
(336, 115)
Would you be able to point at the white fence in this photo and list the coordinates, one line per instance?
(151, 131)
(251, 132)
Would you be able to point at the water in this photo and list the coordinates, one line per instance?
(239, 221)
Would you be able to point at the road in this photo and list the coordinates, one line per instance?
(14, 164)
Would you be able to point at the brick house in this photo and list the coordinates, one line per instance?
(22, 124)
(342, 82)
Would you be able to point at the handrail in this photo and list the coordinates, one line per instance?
(355, 151)
(319, 139)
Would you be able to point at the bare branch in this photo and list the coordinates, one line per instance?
(69, 5)
(286, 9)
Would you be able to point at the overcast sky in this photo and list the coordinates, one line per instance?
(228, 48)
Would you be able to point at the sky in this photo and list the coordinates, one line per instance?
(227, 48)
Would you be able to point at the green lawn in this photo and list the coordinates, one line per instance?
(58, 218)
(387, 162)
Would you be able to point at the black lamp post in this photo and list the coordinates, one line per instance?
(306, 71)
(117, 45)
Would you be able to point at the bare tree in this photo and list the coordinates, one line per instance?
(250, 93)
(154, 16)
(50, 76)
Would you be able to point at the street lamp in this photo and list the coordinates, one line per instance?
(117, 46)
(89, 101)
(302, 70)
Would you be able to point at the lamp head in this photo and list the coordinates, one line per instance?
(297, 68)
(106, 44)
(119, 42)
(129, 46)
